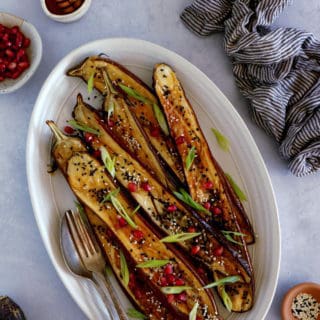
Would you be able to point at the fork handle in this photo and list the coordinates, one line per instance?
(109, 297)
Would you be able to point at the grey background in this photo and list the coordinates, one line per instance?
(26, 273)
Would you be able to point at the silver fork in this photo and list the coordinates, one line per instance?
(91, 256)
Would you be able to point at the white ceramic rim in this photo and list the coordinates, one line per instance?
(67, 17)
(34, 36)
(156, 48)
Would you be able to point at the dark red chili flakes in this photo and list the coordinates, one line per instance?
(146, 186)
(68, 130)
(132, 187)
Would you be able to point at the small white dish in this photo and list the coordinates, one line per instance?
(34, 51)
(65, 18)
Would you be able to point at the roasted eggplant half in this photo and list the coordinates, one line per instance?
(141, 250)
(206, 181)
(143, 104)
(209, 247)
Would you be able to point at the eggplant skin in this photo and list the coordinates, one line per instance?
(155, 203)
(89, 181)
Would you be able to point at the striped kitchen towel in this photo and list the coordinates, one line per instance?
(277, 69)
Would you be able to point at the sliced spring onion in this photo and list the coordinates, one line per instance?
(112, 197)
(186, 198)
(153, 264)
(80, 210)
(112, 193)
(223, 141)
(133, 313)
(124, 269)
(241, 195)
(82, 127)
(226, 299)
(161, 119)
(228, 235)
(193, 312)
(181, 237)
(108, 162)
(108, 271)
(135, 210)
(91, 82)
(133, 93)
(156, 109)
(174, 290)
(190, 157)
(223, 281)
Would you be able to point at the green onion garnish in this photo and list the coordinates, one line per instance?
(80, 210)
(161, 119)
(181, 237)
(228, 235)
(226, 299)
(112, 197)
(186, 198)
(193, 312)
(241, 195)
(223, 142)
(190, 157)
(153, 264)
(133, 93)
(82, 127)
(133, 313)
(108, 162)
(223, 281)
(135, 210)
(108, 271)
(124, 269)
(174, 290)
(156, 109)
(91, 82)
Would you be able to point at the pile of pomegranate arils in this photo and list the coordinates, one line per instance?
(13, 56)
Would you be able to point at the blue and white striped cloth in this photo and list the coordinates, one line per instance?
(278, 70)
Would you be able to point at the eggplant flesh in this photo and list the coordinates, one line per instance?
(204, 170)
(118, 74)
(124, 128)
(156, 202)
(90, 183)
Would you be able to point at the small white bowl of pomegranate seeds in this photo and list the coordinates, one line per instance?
(20, 52)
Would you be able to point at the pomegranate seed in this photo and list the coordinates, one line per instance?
(168, 269)
(5, 37)
(155, 132)
(146, 186)
(170, 298)
(15, 29)
(191, 229)
(207, 205)
(111, 123)
(171, 279)
(9, 53)
(179, 282)
(16, 74)
(208, 185)
(218, 251)
(195, 250)
(2, 67)
(172, 208)
(163, 281)
(132, 187)
(26, 42)
(20, 54)
(137, 234)
(68, 130)
(138, 294)
(201, 271)
(182, 296)
(132, 279)
(122, 222)
(180, 140)
(97, 154)
(88, 137)
(216, 210)
(23, 65)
